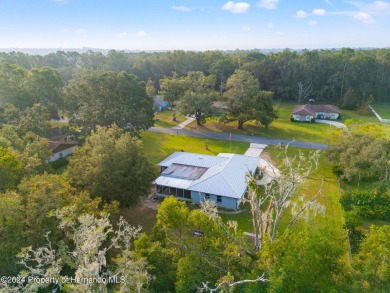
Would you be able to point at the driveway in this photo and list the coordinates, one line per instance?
(334, 123)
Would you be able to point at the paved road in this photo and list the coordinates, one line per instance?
(245, 138)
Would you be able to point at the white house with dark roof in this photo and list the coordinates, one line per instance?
(308, 111)
(196, 177)
(60, 149)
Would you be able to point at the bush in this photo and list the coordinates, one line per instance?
(312, 120)
(292, 119)
(374, 205)
(61, 162)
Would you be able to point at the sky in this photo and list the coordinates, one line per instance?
(194, 24)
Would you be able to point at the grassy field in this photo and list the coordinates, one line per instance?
(329, 196)
(285, 129)
(280, 128)
(165, 119)
(158, 146)
(383, 110)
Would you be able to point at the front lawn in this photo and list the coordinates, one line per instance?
(281, 128)
(164, 119)
(158, 146)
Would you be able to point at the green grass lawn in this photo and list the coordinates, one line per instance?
(285, 129)
(58, 124)
(165, 119)
(281, 128)
(243, 218)
(383, 110)
(158, 146)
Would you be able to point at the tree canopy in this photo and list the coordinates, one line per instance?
(246, 102)
(360, 154)
(112, 165)
(103, 98)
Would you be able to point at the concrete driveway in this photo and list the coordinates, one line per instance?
(334, 123)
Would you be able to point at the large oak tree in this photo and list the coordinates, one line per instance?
(247, 102)
(112, 165)
(102, 98)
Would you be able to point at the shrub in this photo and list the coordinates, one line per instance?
(61, 162)
(368, 205)
(312, 120)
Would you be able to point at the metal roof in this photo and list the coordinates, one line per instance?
(173, 182)
(184, 171)
(225, 175)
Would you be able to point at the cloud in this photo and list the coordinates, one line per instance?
(320, 12)
(301, 14)
(270, 25)
(378, 8)
(246, 28)
(268, 4)
(363, 17)
(380, 5)
(141, 34)
(312, 22)
(181, 8)
(65, 30)
(123, 34)
(238, 8)
(80, 31)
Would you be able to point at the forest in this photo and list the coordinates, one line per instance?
(321, 226)
(346, 76)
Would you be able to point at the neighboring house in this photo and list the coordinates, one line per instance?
(196, 177)
(60, 149)
(160, 104)
(308, 111)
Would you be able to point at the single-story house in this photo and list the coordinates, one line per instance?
(160, 104)
(308, 111)
(196, 177)
(60, 149)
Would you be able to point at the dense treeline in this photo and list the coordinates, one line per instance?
(347, 77)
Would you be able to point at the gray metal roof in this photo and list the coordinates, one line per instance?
(226, 173)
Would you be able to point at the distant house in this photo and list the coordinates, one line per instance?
(195, 177)
(60, 149)
(308, 111)
(160, 104)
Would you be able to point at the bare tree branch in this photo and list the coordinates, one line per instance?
(230, 284)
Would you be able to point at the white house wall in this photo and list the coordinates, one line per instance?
(64, 153)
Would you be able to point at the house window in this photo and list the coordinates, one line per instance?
(61, 155)
(180, 193)
(219, 198)
(207, 196)
(187, 194)
(172, 191)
